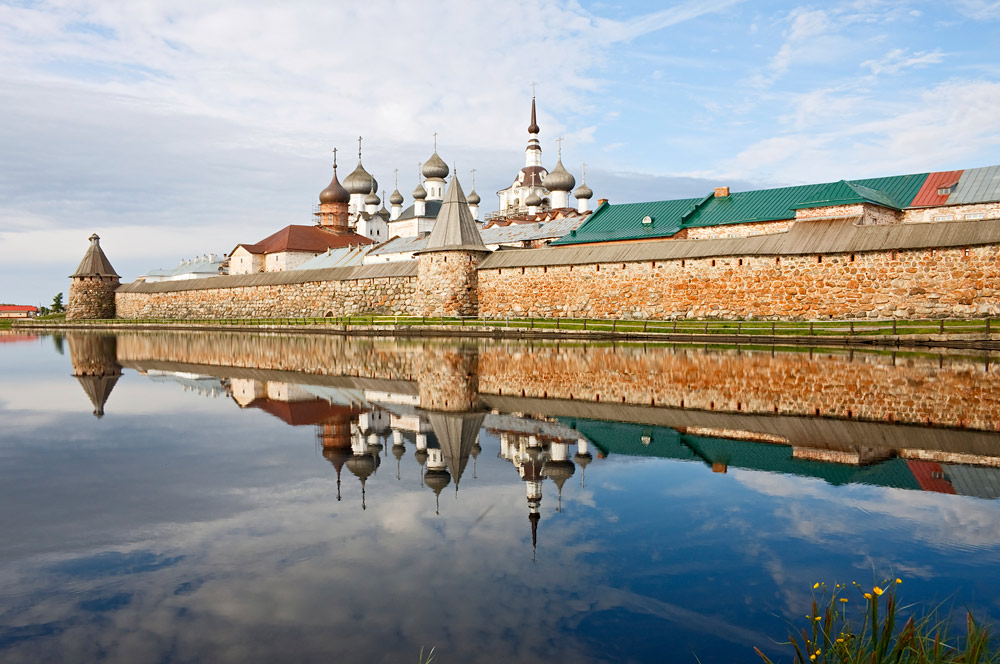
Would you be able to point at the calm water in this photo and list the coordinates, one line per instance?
(320, 499)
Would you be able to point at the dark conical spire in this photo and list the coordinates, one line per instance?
(533, 127)
(455, 228)
(95, 263)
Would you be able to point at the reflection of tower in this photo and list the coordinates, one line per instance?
(95, 366)
(398, 449)
(335, 435)
(559, 468)
(364, 461)
(437, 476)
(531, 473)
(420, 454)
(449, 380)
(456, 435)
(583, 458)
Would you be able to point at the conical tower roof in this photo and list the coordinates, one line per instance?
(95, 263)
(98, 389)
(457, 436)
(455, 228)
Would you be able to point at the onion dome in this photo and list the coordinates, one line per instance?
(396, 198)
(533, 200)
(559, 179)
(360, 181)
(583, 192)
(435, 167)
(419, 193)
(473, 198)
(372, 198)
(421, 457)
(334, 192)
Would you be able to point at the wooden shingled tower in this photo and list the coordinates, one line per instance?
(92, 290)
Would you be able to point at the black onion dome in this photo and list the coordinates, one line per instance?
(334, 192)
(435, 167)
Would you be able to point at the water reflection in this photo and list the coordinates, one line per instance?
(537, 498)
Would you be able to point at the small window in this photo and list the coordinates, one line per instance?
(741, 262)
(944, 217)
(852, 258)
(976, 215)
(713, 262)
(819, 259)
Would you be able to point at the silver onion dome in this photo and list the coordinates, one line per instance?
(473, 198)
(435, 167)
(372, 198)
(419, 193)
(360, 181)
(533, 199)
(396, 198)
(559, 179)
(583, 192)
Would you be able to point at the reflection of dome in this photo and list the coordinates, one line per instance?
(435, 167)
(396, 198)
(398, 451)
(558, 472)
(437, 480)
(363, 465)
(583, 460)
(334, 192)
(421, 457)
(360, 181)
(559, 179)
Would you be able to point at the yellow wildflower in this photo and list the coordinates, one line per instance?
(899, 580)
(812, 657)
(816, 585)
(818, 618)
(868, 595)
(844, 600)
(877, 590)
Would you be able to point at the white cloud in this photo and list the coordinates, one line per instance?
(981, 10)
(899, 59)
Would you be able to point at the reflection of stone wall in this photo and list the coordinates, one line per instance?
(93, 354)
(387, 295)
(91, 297)
(925, 283)
(869, 387)
(448, 379)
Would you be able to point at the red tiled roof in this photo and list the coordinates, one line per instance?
(17, 307)
(305, 238)
(928, 194)
(299, 413)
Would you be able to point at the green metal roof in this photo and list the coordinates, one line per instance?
(624, 222)
(654, 441)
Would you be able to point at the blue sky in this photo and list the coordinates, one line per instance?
(180, 128)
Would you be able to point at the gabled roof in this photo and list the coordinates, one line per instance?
(95, 263)
(304, 238)
(977, 185)
(847, 193)
(337, 257)
(455, 228)
(12, 308)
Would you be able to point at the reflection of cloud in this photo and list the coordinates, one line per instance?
(944, 521)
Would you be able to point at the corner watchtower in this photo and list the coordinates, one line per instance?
(92, 290)
(447, 278)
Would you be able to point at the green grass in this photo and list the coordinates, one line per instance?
(853, 625)
(797, 329)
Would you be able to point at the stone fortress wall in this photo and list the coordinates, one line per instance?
(820, 268)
